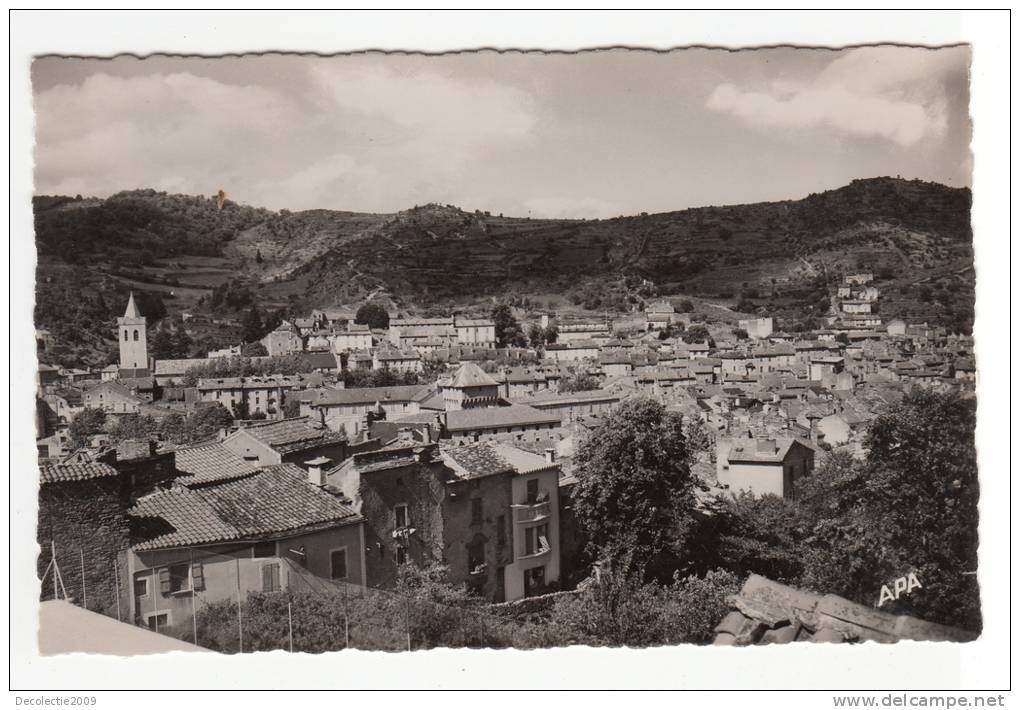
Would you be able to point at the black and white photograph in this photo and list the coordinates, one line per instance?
(501, 349)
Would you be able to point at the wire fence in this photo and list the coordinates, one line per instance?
(235, 603)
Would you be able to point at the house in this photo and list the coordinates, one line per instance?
(659, 315)
(113, 398)
(469, 387)
(333, 317)
(284, 340)
(397, 360)
(467, 425)
(896, 327)
(245, 397)
(572, 406)
(48, 375)
(488, 511)
(856, 306)
(572, 350)
(296, 440)
(859, 279)
(348, 410)
(65, 402)
(268, 531)
(356, 337)
(477, 332)
(763, 466)
(521, 381)
(584, 330)
(756, 328)
(83, 518)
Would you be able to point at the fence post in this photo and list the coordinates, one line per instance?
(407, 620)
(194, 593)
(53, 560)
(240, 631)
(290, 628)
(84, 594)
(116, 583)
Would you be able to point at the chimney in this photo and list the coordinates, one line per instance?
(317, 470)
(550, 455)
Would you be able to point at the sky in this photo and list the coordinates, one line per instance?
(595, 134)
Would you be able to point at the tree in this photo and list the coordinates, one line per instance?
(551, 334)
(686, 306)
(740, 333)
(291, 407)
(579, 381)
(508, 330)
(696, 334)
(208, 421)
(133, 426)
(373, 315)
(255, 349)
(87, 423)
(842, 338)
(258, 256)
(252, 328)
(536, 336)
(635, 492)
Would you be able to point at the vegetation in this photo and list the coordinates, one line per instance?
(508, 331)
(373, 315)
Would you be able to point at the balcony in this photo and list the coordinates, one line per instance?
(530, 512)
(540, 552)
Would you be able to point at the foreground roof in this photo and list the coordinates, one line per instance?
(64, 472)
(211, 462)
(273, 501)
(67, 628)
(291, 435)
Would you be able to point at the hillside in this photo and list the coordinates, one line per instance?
(781, 257)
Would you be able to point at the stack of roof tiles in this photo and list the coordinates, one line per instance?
(769, 612)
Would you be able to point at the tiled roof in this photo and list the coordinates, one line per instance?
(290, 435)
(278, 499)
(470, 375)
(59, 473)
(748, 450)
(476, 460)
(212, 462)
(371, 395)
(495, 417)
(187, 519)
(769, 612)
(524, 461)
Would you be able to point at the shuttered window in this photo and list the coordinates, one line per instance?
(271, 577)
(338, 564)
(197, 577)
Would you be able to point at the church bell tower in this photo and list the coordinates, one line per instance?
(134, 350)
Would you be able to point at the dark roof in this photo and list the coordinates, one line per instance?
(289, 435)
(495, 417)
(476, 460)
(278, 499)
(63, 472)
(209, 463)
(470, 375)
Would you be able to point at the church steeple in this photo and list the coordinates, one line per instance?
(134, 350)
(132, 309)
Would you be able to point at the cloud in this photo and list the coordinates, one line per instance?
(886, 92)
(469, 111)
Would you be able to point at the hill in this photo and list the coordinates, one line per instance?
(782, 258)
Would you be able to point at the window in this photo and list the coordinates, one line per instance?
(400, 519)
(476, 511)
(532, 491)
(536, 539)
(141, 587)
(125, 336)
(157, 621)
(263, 549)
(136, 336)
(400, 554)
(338, 564)
(271, 577)
(534, 581)
(174, 579)
(501, 530)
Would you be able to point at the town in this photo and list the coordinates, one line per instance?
(167, 484)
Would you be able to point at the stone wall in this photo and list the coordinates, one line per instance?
(86, 519)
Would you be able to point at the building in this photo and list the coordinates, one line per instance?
(516, 422)
(572, 350)
(245, 397)
(763, 466)
(488, 512)
(113, 398)
(356, 337)
(756, 328)
(397, 360)
(265, 532)
(478, 333)
(469, 388)
(134, 349)
(349, 410)
(284, 340)
(572, 406)
(297, 440)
